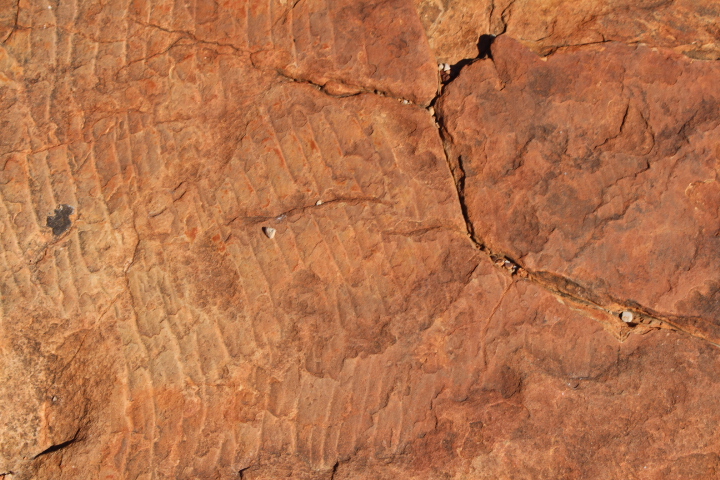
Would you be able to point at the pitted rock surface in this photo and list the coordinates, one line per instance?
(435, 300)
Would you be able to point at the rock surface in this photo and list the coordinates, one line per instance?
(235, 244)
(687, 26)
(598, 173)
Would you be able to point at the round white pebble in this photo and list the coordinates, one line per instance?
(626, 316)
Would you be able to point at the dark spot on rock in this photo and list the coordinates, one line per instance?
(60, 222)
(542, 82)
(704, 302)
(525, 231)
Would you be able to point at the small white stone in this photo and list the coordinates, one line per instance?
(446, 67)
(626, 316)
(406, 102)
(269, 232)
(319, 202)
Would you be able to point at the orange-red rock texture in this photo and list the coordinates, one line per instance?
(260, 240)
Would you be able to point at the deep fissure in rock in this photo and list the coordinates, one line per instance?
(557, 285)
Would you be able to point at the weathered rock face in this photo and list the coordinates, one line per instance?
(345, 46)
(230, 251)
(598, 172)
(687, 26)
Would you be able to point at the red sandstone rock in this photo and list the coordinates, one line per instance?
(166, 335)
(217, 343)
(554, 396)
(597, 170)
(688, 26)
(363, 46)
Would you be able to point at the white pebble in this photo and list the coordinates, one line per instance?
(626, 316)
(269, 232)
(319, 202)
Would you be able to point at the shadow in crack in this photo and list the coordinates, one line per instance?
(450, 72)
